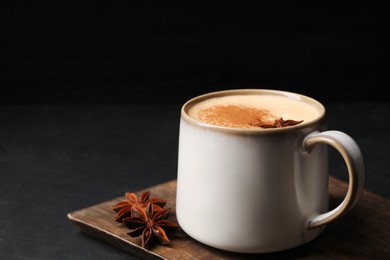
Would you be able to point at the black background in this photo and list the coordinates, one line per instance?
(170, 52)
(90, 98)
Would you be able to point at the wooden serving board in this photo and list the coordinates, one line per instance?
(363, 233)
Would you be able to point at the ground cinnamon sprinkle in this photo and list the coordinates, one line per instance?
(237, 116)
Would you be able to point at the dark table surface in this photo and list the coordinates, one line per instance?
(55, 159)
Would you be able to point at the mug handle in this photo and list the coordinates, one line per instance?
(353, 158)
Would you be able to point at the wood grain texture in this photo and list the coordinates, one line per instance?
(364, 233)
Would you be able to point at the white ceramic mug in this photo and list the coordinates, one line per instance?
(260, 190)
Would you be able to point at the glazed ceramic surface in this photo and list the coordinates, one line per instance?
(261, 190)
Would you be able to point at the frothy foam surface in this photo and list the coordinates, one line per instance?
(251, 111)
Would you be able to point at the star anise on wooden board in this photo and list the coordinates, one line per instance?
(123, 208)
(279, 123)
(149, 223)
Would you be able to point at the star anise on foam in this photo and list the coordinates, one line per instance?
(278, 123)
(152, 225)
(123, 208)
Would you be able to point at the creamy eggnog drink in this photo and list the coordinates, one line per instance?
(253, 111)
(252, 172)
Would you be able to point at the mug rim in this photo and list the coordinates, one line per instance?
(292, 95)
